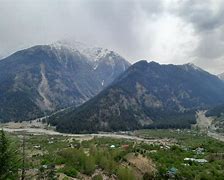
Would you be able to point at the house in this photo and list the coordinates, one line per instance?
(112, 146)
(196, 160)
(201, 160)
(189, 159)
(172, 172)
(44, 166)
(37, 146)
(200, 150)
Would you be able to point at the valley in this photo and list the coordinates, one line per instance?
(142, 154)
(37, 127)
(112, 90)
(69, 116)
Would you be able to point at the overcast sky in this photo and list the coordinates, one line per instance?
(166, 31)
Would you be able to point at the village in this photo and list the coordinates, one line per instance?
(143, 154)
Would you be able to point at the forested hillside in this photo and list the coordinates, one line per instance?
(147, 95)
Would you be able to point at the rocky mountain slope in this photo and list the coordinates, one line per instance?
(221, 76)
(46, 78)
(216, 111)
(146, 95)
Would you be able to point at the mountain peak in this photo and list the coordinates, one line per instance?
(154, 62)
(145, 63)
(91, 52)
(55, 76)
(191, 64)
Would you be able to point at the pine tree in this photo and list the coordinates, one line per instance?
(8, 161)
(3, 155)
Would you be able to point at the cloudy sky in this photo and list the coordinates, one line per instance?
(166, 31)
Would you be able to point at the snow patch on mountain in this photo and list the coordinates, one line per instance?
(91, 53)
(124, 68)
(190, 66)
(95, 67)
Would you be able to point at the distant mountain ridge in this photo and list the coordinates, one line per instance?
(44, 78)
(146, 95)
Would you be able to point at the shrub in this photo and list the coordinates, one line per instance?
(125, 173)
(148, 176)
(69, 171)
(89, 165)
(97, 177)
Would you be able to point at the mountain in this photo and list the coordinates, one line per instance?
(215, 111)
(217, 114)
(45, 78)
(221, 76)
(147, 95)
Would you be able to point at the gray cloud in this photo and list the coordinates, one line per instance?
(205, 15)
(207, 18)
(168, 31)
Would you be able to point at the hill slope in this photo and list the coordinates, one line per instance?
(216, 111)
(146, 95)
(45, 78)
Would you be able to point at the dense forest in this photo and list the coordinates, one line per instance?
(161, 120)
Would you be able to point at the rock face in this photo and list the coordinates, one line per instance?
(221, 76)
(146, 95)
(46, 78)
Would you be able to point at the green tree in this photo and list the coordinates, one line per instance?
(8, 159)
(97, 177)
(89, 165)
(125, 173)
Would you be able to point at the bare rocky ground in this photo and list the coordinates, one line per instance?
(34, 124)
(140, 164)
(205, 124)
